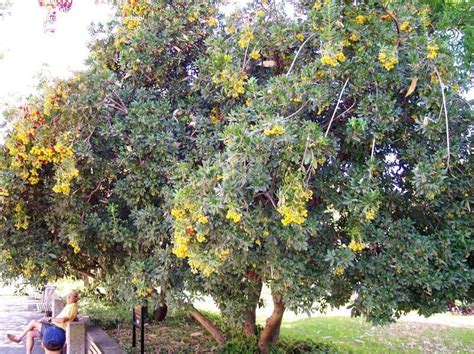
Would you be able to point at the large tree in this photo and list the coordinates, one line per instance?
(344, 167)
(324, 154)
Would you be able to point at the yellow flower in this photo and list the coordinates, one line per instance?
(212, 21)
(339, 271)
(432, 51)
(131, 24)
(24, 175)
(233, 215)
(357, 246)
(245, 38)
(203, 219)
(300, 37)
(260, 13)
(276, 130)
(33, 180)
(207, 271)
(200, 238)
(340, 57)
(317, 5)
(361, 19)
(194, 16)
(75, 245)
(178, 213)
(243, 42)
(258, 242)
(328, 60)
(406, 27)
(354, 37)
(254, 55)
(388, 60)
(370, 214)
(223, 254)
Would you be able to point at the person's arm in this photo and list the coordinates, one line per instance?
(69, 313)
(60, 319)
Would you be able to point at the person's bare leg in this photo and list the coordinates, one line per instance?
(30, 340)
(32, 326)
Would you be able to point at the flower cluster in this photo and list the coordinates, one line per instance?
(300, 37)
(292, 199)
(223, 254)
(360, 20)
(29, 154)
(234, 215)
(21, 218)
(132, 12)
(432, 51)
(190, 231)
(65, 173)
(232, 82)
(54, 100)
(212, 21)
(197, 264)
(406, 27)
(275, 130)
(215, 115)
(356, 246)
(245, 38)
(354, 37)
(371, 213)
(331, 58)
(388, 59)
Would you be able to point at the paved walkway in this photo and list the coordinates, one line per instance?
(15, 313)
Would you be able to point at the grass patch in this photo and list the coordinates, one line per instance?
(105, 316)
(354, 335)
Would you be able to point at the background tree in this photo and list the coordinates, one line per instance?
(107, 207)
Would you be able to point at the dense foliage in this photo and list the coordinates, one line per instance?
(323, 154)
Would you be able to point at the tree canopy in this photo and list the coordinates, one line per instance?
(324, 155)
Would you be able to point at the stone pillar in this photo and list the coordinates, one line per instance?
(76, 337)
(57, 306)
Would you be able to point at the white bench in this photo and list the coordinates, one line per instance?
(47, 296)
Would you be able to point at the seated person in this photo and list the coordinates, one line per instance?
(61, 321)
(53, 339)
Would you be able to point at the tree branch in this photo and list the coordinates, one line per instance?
(337, 107)
(441, 85)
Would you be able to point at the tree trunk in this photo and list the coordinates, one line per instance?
(272, 327)
(250, 326)
(161, 308)
(209, 326)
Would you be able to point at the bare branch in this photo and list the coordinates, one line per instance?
(337, 107)
(298, 52)
(441, 85)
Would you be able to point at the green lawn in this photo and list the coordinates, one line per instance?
(357, 336)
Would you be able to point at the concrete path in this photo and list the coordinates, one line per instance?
(15, 313)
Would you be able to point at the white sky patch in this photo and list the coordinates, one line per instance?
(27, 50)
